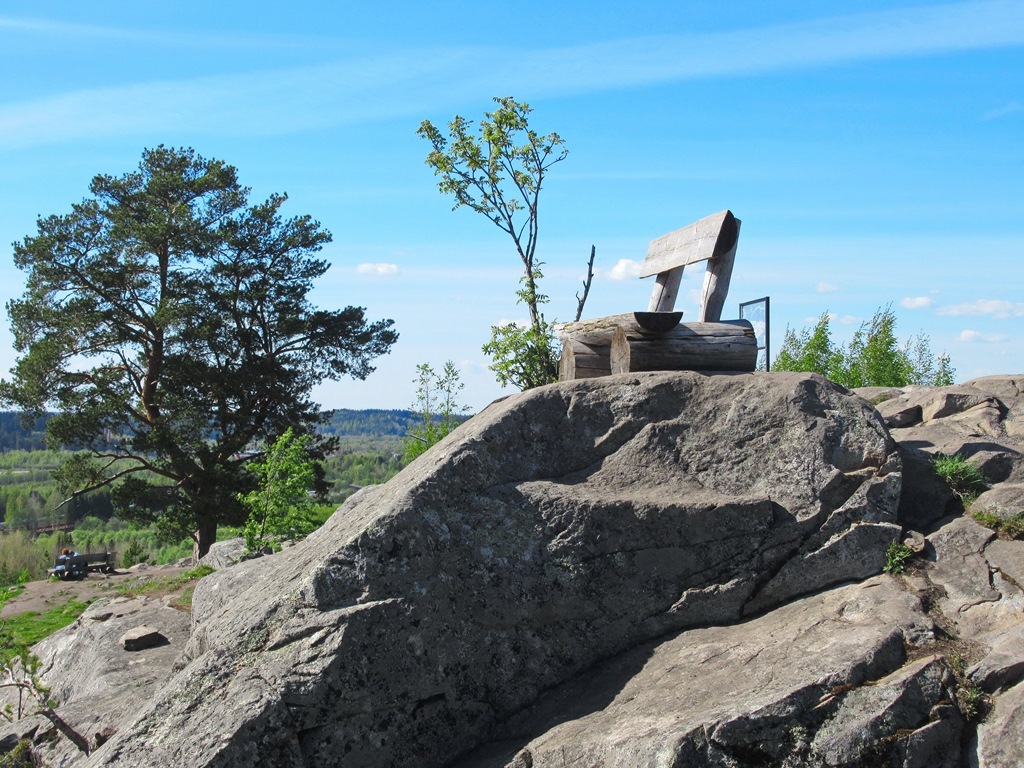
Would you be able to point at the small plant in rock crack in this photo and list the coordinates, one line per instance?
(970, 698)
(972, 702)
(896, 557)
(963, 478)
(1006, 525)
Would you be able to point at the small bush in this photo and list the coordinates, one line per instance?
(970, 699)
(896, 557)
(964, 479)
(20, 559)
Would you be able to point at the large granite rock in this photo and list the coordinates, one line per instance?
(824, 681)
(555, 530)
(224, 553)
(862, 675)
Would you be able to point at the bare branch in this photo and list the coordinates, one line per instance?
(586, 284)
(18, 674)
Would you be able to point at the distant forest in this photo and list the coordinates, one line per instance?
(14, 437)
(370, 452)
(372, 423)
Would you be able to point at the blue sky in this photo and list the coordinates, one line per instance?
(871, 148)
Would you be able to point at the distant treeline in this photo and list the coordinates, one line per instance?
(344, 422)
(373, 422)
(15, 437)
(370, 452)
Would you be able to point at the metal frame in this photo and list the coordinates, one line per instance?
(766, 300)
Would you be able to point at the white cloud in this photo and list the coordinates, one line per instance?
(377, 269)
(987, 338)
(403, 82)
(624, 269)
(848, 320)
(917, 302)
(998, 308)
(824, 287)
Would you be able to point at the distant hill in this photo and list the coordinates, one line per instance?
(370, 422)
(353, 426)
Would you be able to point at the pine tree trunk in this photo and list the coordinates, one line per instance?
(204, 537)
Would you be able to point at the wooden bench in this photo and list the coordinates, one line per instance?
(656, 340)
(68, 567)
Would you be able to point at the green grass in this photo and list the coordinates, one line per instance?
(30, 627)
(165, 584)
(184, 603)
(964, 479)
(6, 593)
(1007, 527)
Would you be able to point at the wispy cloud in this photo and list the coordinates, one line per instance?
(414, 81)
(998, 308)
(826, 287)
(377, 269)
(917, 302)
(271, 102)
(1012, 108)
(976, 336)
(164, 37)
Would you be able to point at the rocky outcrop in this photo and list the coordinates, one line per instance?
(825, 680)
(981, 420)
(555, 530)
(656, 569)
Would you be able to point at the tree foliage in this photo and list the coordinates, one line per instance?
(810, 350)
(499, 173)
(873, 358)
(166, 320)
(281, 505)
(437, 407)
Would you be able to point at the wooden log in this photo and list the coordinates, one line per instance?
(716, 281)
(583, 361)
(586, 344)
(728, 346)
(600, 329)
